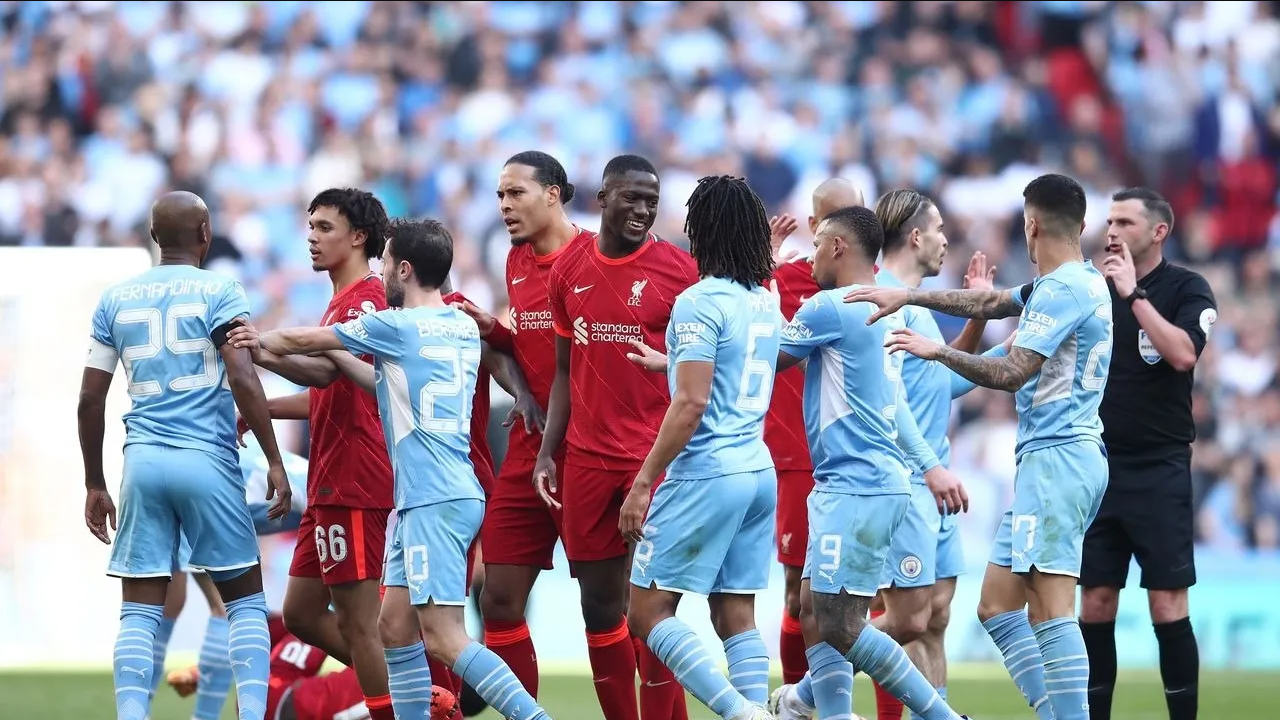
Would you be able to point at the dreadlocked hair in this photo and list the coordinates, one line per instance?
(728, 231)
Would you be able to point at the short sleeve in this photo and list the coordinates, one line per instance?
(231, 304)
(1197, 311)
(696, 324)
(555, 296)
(376, 334)
(1051, 314)
(1022, 293)
(815, 324)
(100, 328)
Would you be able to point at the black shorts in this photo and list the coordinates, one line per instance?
(1145, 514)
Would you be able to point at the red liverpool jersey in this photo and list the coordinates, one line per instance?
(533, 339)
(349, 462)
(600, 304)
(481, 456)
(784, 424)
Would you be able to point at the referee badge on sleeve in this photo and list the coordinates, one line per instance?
(1147, 349)
(1208, 317)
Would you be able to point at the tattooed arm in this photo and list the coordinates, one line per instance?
(980, 304)
(1007, 373)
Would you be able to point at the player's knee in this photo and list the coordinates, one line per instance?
(1167, 605)
(939, 619)
(913, 625)
(989, 608)
(600, 614)
(399, 630)
(501, 603)
(1100, 604)
(733, 618)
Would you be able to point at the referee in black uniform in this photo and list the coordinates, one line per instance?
(1163, 317)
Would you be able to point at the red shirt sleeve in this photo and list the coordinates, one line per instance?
(555, 290)
(499, 338)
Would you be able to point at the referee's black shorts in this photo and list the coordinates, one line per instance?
(1146, 513)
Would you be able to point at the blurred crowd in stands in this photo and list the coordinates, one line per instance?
(257, 106)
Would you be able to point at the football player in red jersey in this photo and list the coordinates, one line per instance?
(341, 541)
(606, 412)
(793, 283)
(520, 530)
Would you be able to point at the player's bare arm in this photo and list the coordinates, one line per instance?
(1172, 342)
(684, 414)
(506, 371)
(978, 276)
(91, 418)
(654, 361)
(981, 304)
(246, 388)
(1006, 373)
(358, 371)
(286, 407)
(293, 341)
(544, 472)
(301, 370)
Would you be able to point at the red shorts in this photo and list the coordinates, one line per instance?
(334, 696)
(340, 544)
(592, 505)
(794, 487)
(519, 528)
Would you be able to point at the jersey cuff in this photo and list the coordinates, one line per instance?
(102, 356)
(219, 334)
(560, 331)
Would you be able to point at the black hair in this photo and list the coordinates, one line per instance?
(623, 164)
(865, 227)
(728, 231)
(900, 212)
(427, 246)
(362, 210)
(1060, 201)
(547, 171)
(1154, 205)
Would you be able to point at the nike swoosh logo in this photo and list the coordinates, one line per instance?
(329, 569)
(577, 289)
(654, 684)
(519, 280)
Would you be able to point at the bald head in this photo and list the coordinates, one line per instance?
(832, 195)
(179, 220)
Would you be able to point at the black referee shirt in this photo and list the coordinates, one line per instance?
(1147, 403)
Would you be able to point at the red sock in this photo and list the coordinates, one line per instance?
(380, 708)
(791, 649)
(661, 695)
(888, 707)
(613, 669)
(511, 642)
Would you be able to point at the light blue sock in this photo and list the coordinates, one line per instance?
(830, 679)
(409, 679)
(1066, 667)
(804, 688)
(159, 649)
(681, 650)
(884, 661)
(215, 670)
(748, 665)
(134, 659)
(1011, 632)
(492, 680)
(249, 649)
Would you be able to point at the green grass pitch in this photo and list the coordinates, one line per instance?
(984, 692)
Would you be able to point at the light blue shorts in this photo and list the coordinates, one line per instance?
(168, 493)
(920, 553)
(709, 536)
(849, 539)
(1056, 494)
(428, 553)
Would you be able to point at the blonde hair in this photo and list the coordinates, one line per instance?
(900, 212)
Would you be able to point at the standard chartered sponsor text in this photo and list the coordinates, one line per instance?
(615, 332)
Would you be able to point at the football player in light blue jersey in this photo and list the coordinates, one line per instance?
(427, 356)
(169, 327)
(709, 530)
(926, 556)
(856, 416)
(214, 666)
(1058, 367)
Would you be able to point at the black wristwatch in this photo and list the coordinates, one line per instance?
(1137, 294)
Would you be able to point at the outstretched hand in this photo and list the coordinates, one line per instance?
(912, 342)
(889, 300)
(646, 357)
(978, 276)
